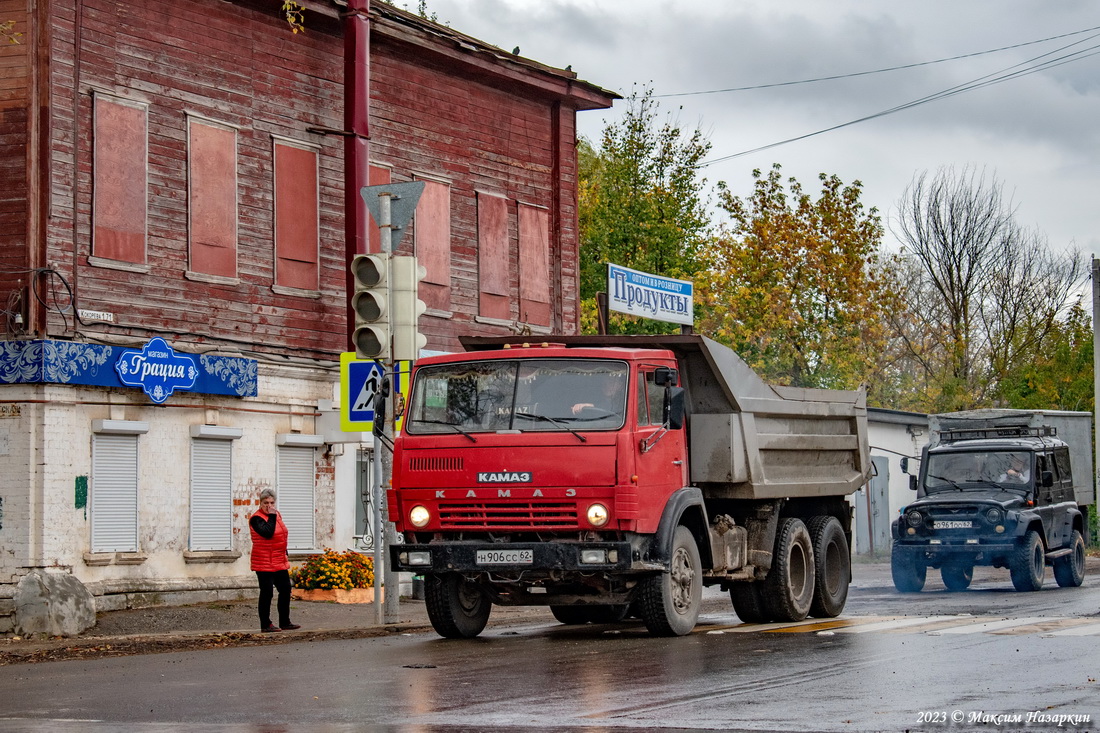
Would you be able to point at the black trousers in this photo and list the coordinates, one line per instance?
(279, 579)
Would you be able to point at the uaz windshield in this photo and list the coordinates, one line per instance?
(959, 470)
(525, 395)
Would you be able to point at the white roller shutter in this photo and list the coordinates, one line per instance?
(211, 494)
(113, 504)
(295, 489)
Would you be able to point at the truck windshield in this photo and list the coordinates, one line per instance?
(544, 395)
(959, 470)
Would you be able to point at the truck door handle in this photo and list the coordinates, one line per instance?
(677, 463)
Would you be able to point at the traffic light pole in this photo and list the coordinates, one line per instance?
(390, 607)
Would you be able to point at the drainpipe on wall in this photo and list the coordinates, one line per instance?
(356, 140)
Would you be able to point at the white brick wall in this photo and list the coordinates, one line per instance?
(48, 446)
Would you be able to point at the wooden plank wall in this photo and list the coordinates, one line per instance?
(239, 65)
(15, 86)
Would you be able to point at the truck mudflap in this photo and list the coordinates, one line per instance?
(527, 557)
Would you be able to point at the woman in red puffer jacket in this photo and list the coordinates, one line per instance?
(269, 560)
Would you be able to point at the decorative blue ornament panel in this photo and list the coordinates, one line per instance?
(155, 368)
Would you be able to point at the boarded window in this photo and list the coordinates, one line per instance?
(378, 176)
(212, 198)
(120, 187)
(295, 495)
(493, 261)
(211, 494)
(113, 505)
(433, 244)
(534, 265)
(296, 217)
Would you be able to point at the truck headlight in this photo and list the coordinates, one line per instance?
(914, 518)
(598, 515)
(419, 516)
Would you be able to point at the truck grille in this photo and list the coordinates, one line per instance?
(434, 463)
(510, 515)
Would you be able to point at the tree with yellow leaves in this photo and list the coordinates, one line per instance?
(797, 285)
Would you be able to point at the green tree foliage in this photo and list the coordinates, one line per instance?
(639, 205)
(1060, 374)
(796, 285)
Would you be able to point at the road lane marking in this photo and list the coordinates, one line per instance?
(1089, 629)
(897, 623)
(982, 627)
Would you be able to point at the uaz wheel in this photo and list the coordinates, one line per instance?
(1028, 563)
(1069, 570)
(907, 569)
(957, 576)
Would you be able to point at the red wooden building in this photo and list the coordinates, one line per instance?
(178, 171)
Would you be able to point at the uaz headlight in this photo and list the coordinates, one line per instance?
(914, 518)
(994, 515)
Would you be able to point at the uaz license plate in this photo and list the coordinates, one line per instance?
(505, 557)
(953, 524)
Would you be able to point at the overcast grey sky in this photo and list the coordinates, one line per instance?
(1038, 133)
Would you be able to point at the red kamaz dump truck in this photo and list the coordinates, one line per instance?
(607, 476)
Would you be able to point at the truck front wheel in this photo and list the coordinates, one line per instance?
(457, 608)
(907, 569)
(1028, 563)
(789, 586)
(832, 565)
(669, 603)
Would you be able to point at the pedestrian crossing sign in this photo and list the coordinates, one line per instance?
(359, 383)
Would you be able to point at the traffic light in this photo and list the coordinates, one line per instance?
(370, 303)
(407, 308)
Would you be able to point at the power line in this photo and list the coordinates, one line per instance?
(875, 71)
(1006, 74)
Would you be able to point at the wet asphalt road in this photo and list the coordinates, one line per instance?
(1015, 654)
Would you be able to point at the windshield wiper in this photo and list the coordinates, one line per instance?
(552, 421)
(450, 425)
(947, 481)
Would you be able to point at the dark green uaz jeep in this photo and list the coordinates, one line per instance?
(1001, 497)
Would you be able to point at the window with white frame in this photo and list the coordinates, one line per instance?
(212, 487)
(113, 500)
(296, 472)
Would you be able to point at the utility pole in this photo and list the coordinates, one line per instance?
(1095, 379)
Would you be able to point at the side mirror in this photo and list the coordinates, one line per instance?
(674, 407)
(1046, 479)
(905, 464)
(663, 376)
(912, 483)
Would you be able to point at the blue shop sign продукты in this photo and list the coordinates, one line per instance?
(156, 368)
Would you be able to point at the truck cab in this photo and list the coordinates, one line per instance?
(1002, 497)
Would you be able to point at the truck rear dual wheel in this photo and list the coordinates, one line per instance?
(788, 589)
(1069, 570)
(908, 570)
(832, 567)
(1028, 563)
(457, 608)
(669, 602)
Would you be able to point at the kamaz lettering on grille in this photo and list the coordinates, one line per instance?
(504, 477)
